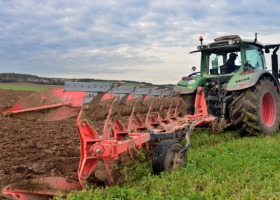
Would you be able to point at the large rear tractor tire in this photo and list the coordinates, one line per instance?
(166, 156)
(255, 110)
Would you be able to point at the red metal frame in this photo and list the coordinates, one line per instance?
(109, 145)
(55, 186)
(50, 99)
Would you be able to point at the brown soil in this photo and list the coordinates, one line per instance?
(31, 149)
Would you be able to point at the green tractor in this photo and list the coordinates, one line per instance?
(242, 92)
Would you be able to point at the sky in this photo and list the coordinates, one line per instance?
(141, 40)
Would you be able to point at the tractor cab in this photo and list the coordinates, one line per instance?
(229, 55)
(229, 60)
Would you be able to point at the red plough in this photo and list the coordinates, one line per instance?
(113, 122)
(60, 104)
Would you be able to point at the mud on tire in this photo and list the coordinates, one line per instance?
(255, 110)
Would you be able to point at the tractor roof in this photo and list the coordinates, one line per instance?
(226, 42)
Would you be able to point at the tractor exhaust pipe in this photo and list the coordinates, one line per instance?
(274, 62)
(256, 37)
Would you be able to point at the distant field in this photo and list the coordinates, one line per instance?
(25, 86)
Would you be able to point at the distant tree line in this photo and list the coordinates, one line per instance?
(28, 78)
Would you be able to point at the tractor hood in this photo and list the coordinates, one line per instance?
(189, 84)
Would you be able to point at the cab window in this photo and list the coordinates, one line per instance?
(254, 57)
(214, 61)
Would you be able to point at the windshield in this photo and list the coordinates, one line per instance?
(254, 57)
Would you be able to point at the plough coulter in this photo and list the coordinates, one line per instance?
(115, 121)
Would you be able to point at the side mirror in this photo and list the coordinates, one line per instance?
(193, 69)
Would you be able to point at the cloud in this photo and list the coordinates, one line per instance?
(122, 38)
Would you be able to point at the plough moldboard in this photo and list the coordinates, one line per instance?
(113, 122)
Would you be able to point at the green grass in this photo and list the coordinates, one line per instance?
(223, 166)
(23, 87)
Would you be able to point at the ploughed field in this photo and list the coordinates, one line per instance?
(30, 149)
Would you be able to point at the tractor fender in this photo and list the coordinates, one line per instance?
(243, 81)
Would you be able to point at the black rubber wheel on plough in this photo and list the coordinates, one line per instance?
(164, 156)
(255, 111)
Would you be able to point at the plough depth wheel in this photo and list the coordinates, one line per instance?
(166, 156)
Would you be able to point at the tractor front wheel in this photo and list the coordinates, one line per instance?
(167, 157)
(255, 110)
